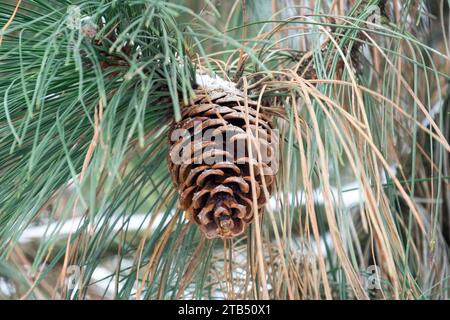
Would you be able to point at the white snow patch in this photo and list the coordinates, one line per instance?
(211, 83)
(348, 197)
(134, 223)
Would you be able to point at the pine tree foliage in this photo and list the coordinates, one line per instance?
(89, 91)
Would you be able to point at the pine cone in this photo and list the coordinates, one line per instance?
(213, 176)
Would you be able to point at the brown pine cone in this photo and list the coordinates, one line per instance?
(210, 162)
